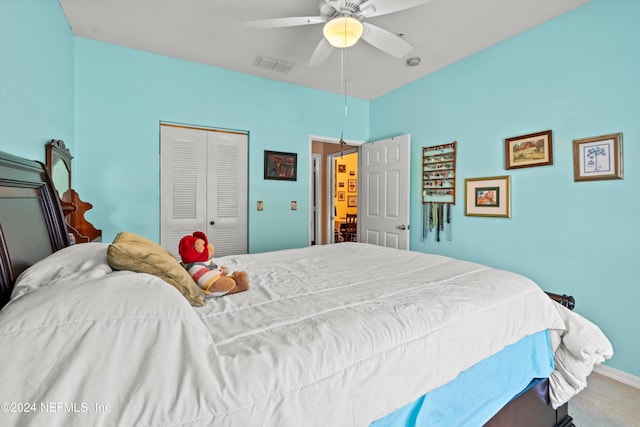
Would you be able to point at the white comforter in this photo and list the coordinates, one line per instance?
(336, 335)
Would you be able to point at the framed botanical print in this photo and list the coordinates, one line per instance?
(598, 158)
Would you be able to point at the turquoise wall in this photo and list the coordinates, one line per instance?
(121, 97)
(577, 75)
(36, 77)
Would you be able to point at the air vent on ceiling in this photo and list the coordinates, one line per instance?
(273, 64)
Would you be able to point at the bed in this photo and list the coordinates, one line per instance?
(343, 335)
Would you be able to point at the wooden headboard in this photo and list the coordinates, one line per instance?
(31, 222)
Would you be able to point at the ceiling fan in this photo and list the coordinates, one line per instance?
(345, 24)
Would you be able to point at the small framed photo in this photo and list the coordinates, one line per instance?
(488, 196)
(352, 201)
(530, 150)
(342, 168)
(341, 196)
(279, 165)
(598, 158)
(352, 186)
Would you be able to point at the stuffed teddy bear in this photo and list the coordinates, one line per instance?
(196, 253)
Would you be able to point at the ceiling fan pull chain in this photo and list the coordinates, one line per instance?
(343, 79)
(344, 91)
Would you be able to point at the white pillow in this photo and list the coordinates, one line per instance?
(87, 259)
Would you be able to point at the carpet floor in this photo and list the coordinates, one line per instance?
(606, 403)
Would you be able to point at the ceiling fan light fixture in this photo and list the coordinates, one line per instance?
(343, 32)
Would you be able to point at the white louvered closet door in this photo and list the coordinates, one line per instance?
(203, 186)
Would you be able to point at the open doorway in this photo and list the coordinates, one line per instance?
(382, 188)
(323, 188)
(345, 196)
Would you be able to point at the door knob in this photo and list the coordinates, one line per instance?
(212, 222)
(402, 227)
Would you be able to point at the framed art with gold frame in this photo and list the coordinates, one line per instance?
(598, 158)
(488, 196)
(352, 185)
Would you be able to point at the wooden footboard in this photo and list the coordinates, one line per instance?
(565, 300)
(532, 409)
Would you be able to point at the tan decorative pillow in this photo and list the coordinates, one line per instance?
(136, 253)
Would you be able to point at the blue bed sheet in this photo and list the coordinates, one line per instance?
(478, 393)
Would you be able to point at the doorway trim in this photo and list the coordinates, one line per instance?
(322, 203)
(330, 202)
(316, 186)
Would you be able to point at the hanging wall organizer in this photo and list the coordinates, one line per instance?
(438, 189)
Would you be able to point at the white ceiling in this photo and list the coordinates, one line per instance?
(211, 32)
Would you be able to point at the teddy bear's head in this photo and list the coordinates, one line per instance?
(195, 248)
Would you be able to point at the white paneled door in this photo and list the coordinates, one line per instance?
(203, 186)
(383, 214)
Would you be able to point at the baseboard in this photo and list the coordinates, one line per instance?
(618, 375)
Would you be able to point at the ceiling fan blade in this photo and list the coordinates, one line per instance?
(385, 41)
(371, 8)
(321, 53)
(285, 22)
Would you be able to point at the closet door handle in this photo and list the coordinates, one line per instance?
(212, 222)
